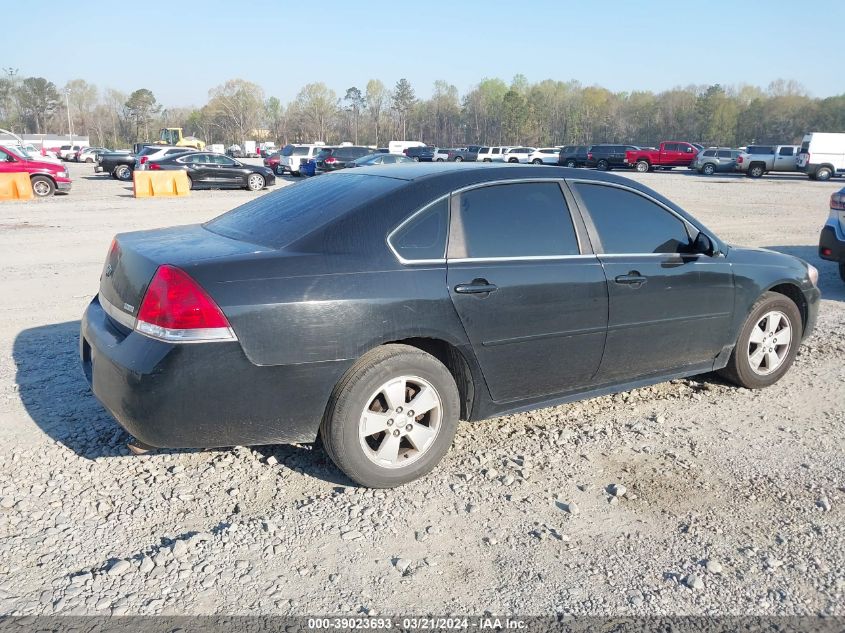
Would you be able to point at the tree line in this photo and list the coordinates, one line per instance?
(494, 112)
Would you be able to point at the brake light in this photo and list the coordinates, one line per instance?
(175, 308)
(837, 201)
(144, 159)
(590, 155)
(330, 159)
(826, 252)
(739, 160)
(153, 166)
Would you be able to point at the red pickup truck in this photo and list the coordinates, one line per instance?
(46, 177)
(671, 154)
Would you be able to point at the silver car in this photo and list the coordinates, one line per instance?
(713, 159)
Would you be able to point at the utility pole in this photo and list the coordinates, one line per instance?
(69, 124)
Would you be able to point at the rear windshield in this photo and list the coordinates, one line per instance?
(285, 216)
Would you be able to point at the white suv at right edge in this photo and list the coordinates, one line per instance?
(294, 154)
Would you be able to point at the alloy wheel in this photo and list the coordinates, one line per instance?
(400, 422)
(769, 343)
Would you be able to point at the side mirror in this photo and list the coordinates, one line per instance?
(702, 244)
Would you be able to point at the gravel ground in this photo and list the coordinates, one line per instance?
(689, 497)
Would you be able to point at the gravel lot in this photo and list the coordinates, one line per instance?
(726, 501)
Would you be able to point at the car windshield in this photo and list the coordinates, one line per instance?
(287, 215)
(17, 151)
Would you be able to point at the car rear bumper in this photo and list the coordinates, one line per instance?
(830, 243)
(200, 395)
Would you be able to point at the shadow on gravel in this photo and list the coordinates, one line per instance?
(830, 284)
(56, 395)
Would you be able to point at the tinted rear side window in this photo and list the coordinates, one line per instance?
(627, 222)
(711, 152)
(518, 220)
(725, 153)
(761, 149)
(280, 218)
(424, 236)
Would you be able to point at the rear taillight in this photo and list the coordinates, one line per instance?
(153, 166)
(589, 156)
(143, 159)
(739, 160)
(837, 201)
(826, 252)
(330, 159)
(176, 309)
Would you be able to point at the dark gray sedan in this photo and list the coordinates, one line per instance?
(377, 306)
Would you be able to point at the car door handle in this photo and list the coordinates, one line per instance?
(478, 286)
(633, 278)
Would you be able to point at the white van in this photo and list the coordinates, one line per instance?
(822, 155)
(399, 147)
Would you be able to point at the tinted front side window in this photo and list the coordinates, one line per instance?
(282, 217)
(518, 220)
(786, 151)
(630, 223)
(424, 237)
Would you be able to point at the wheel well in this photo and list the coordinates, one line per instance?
(455, 362)
(794, 293)
(47, 176)
(757, 162)
(644, 160)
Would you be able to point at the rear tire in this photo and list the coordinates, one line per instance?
(43, 187)
(823, 174)
(603, 165)
(642, 166)
(756, 171)
(487, 160)
(536, 161)
(459, 159)
(739, 369)
(709, 169)
(359, 404)
(571, 163)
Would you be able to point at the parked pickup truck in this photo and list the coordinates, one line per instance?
(464, 153)
(670, 154)
(118, 164)
(757, 160)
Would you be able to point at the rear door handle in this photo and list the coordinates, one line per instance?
(478, 286)
(633, 278)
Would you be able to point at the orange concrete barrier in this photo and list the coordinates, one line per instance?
(15, 186)
(149, 184)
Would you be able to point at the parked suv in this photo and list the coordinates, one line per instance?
(491, 154)
(573, 156)
(832, 238)
(758, 160)
(605, 157)
(334, 158)
(714, 159)
(518, 154)
(420, 153)
(292, 156)
(544, 156)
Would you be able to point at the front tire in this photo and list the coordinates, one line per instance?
(571, 163)
(767, 343)
(603, 165)
(459, 159)
(372, 431)
(536, 161)
(122, 172)
(43, 187)
(255, 182)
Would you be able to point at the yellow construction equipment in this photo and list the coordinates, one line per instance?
(173, 136)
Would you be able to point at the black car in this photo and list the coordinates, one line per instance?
(218, 171)
(379, 159)
(832, 238)
(420, 154)
(573, 156)
(334, 158)
(378, 306)
(606, 157)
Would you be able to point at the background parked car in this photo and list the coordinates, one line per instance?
(46, 177)
(293, 155)
(573, 156)
(832, 238)
(119, 165)
(605, 156)
(155, 152)
(334, 158)
(518, 154)
(66, 151)
(469, 153)
(441, 154)
(544, 156)
(668, 155)
(379, 159)
(217, 171)
(715, 159)
(89, 154)
(271, 161)
(758, 160)
(491, 154)
(421, 154)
